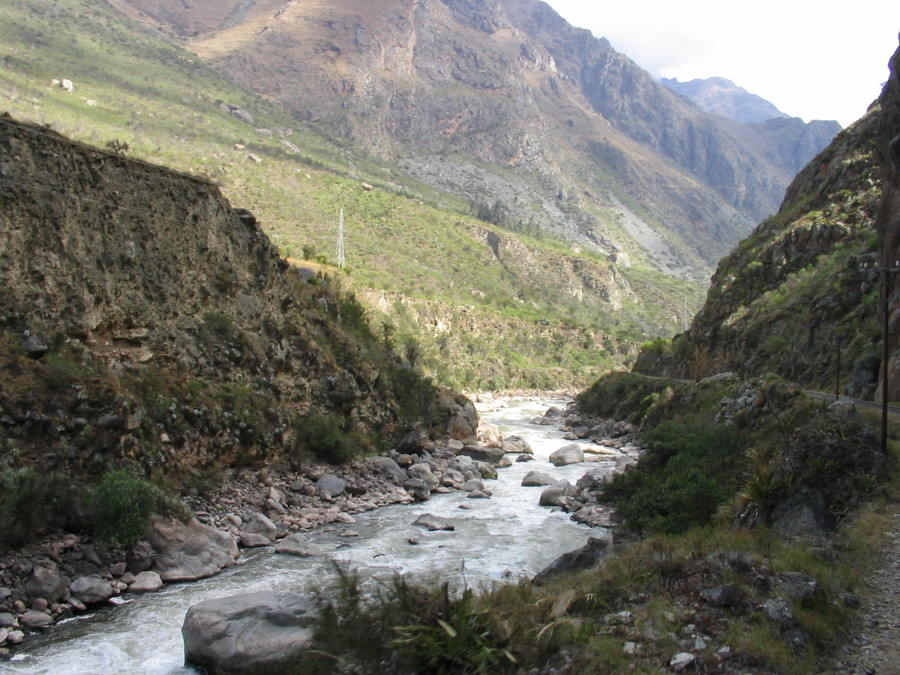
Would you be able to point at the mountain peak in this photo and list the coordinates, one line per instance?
(723, 97)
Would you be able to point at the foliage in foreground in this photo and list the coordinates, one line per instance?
(647, 594)
(410, 629)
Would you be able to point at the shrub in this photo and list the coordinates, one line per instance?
(25, 505)
(410, 628)
(124, 503)
(684, 476)
(323, 436)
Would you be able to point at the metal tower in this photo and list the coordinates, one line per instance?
(340, 241)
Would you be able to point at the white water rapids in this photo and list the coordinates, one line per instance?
(496, 540)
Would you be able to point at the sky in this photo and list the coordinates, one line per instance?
(807, 59)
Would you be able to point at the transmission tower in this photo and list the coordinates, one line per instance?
(340, 241)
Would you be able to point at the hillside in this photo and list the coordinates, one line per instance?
(502, 103)
(145, 323)
(800, 296)
(430, 266)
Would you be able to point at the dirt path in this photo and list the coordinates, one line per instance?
(874, 645)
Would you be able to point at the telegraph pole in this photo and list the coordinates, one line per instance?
(341, 261)
(885, 352)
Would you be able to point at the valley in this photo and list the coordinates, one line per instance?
(260, 261)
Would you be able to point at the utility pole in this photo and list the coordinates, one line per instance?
(885, 352)
(341, 261)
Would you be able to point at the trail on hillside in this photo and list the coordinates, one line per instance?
(873, 647)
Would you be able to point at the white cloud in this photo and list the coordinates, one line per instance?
(807, 58)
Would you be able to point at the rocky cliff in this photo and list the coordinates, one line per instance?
(144, 319)
(800, 296)
(503, 102)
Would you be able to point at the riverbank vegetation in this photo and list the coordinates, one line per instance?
(747, 529)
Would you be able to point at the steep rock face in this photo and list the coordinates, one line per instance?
(800, 296)
(504, 102)
(153, 273)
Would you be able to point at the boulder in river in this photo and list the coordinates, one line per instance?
(580, 559)
(423, 471)
(146, 582)
(258, 524)
(433, 523)
(418, 488)
(516, 445)
(568, 454)
(249, 634)
(92, 589)
(189, 551)
(537, 479)
(482, 454)
(296, 544)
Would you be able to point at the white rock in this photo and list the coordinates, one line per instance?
(682, 660)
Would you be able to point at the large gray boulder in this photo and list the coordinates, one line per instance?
(297, 544)
(516, 445)
(423, 471)
(252, 634)
(433, 523)
(568, 454)
(146, 582)
(46, 582)
(390, 470)
(482, 454)
(258, 524)
(331, 485)
(583, 558)
(189, 551)
(537, 479)
(418, 488)
(92, 589)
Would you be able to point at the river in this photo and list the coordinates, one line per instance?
(496, 540)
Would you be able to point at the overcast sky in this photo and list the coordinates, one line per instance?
(803, 56)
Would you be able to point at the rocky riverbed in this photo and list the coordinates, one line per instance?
(67, 575)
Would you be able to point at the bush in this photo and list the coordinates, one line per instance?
(686, 473)
(323, 436)
(25, 505)
(416, 396)
(124, 503)
(410, 628)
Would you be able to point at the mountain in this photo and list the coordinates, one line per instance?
(455, 254)
(795, 141)
(800, 296)
(502, 103)
(723, 97)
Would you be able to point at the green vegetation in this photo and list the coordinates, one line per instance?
(409, 628)
(686, 474)
(30, 503)
(123, 506)
(324, 437)
(706, 443)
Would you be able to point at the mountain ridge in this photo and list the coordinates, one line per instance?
(502, 84)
